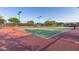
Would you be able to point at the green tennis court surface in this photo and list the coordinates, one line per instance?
(47, 32)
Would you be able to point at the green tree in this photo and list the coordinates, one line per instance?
(60, 24)
(77, 23)
(14, 20)
(31, 22)
(48, 22)
(2, 21)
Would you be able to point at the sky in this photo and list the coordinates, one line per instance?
(59, 14)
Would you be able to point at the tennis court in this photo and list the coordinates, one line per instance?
(47, 32)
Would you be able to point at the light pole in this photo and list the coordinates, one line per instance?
(39, 18)
(75, 24)
(19, 13)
